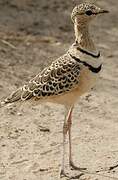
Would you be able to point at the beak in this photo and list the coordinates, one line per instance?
(103, 11)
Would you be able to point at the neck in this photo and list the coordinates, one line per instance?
(83, 38)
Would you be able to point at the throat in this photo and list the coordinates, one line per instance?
(83, 37)
(85, 45)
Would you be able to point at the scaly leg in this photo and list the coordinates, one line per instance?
(62, 173)
(73, 167)
(65, 130)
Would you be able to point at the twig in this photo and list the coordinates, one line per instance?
(8, 44)
(20, 161)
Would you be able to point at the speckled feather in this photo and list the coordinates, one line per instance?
(60, 77)
(82, 8)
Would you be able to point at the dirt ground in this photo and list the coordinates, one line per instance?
(32, 34)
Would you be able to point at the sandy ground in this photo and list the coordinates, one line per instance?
(32, 34)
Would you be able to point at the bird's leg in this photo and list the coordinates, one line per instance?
(72, 165)
(70, 139)
(65, 130)
(62, 173)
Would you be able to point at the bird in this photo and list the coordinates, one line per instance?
(67, 78)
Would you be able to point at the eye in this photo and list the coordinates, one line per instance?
(89, 13)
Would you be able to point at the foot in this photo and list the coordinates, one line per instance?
(63, 174)
(73, 167)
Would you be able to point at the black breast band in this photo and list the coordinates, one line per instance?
(88, 53)
(91, 68)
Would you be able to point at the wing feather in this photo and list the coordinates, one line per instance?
(60, 77)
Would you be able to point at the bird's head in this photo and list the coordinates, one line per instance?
(85, 12)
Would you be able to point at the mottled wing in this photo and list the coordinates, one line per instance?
(61, 76)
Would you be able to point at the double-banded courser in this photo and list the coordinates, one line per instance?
(68, 77)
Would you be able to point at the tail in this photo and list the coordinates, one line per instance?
(15, 96)
(20, 94)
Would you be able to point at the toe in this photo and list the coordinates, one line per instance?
(74, 167)
(63, 174)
